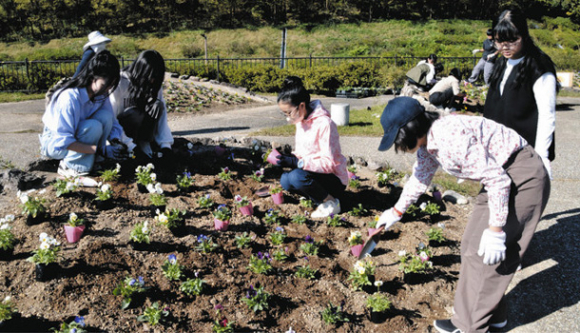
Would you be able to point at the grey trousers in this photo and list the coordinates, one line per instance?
(481, 287)
(482, 65)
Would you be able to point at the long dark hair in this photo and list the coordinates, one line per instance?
(510, 26)
(102, 65)
(146, 74)
(415, 129)
(294, 93)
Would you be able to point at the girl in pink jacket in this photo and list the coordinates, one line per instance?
(318, 166)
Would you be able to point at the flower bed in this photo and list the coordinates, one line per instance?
(91, 269)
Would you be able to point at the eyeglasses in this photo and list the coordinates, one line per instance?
(289, 113)
(508, 45)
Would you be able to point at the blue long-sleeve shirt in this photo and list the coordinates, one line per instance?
(67, 109)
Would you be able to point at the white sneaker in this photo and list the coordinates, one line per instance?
(326, 208)
(67, 172)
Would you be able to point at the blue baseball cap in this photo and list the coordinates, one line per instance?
(397, 114)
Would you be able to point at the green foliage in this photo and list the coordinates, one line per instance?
(243, 241)
(386, 176)
(378, 302)
(354, 183)
(430, 208)
(336, 221)
(280, 254)
(7, 309)
(358, 211)
(32, 206)
(74, 220)
(300, 219)
(222, 213)
(412, 210)
(158, 199)
(127, 288)
(306, 203)
(171, 218)
(310, 246)
(64, 186)
(225, 174)
(272, 216)
(172, 269)
(206, 244)
(140, 233)
(333, 314)
(111, 175)
(417, 262)
(360, 274)
(205, 201)
(153, 314)
(105, 193)
(144, 174)
(75, 326)
(277, 237)
(48, 251)
(306, 272)
(192, 287)
(184, 181)
(7, 239)
(260, 264)
(435, 234)
(256, 299)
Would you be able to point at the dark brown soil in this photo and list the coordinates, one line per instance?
(92, 268)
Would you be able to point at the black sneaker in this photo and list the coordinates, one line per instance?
(445, 326)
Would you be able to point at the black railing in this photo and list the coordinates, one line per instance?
(37, 76)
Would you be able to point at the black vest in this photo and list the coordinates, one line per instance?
(516, 108)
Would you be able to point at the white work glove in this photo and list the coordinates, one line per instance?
(492, 247)
(490, 56)
(387, 219)
(474, 52)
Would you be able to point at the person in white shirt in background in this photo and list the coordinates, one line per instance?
(523, 87)
(445, 91)
(140, 107)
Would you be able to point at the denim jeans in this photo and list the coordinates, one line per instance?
(315, 186)
(92, 131)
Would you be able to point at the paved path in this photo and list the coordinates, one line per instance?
(544, 296)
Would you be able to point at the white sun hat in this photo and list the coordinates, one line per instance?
(96, 38)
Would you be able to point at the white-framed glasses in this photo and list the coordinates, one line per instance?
(508, 45)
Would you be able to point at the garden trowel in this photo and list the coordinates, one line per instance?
(371, 243)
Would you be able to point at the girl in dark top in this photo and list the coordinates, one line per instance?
(522, 91)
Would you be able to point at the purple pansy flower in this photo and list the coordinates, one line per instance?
(141, 280)
(80, 320)
(172, 259)
(309, 239)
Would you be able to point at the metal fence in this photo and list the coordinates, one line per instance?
(36, 76)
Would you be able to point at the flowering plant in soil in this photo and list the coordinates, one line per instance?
(384, 177)
(360, 274)
(265, 156)
(64, 186)
(184, 181)
(275, 189)
(225, 174)
(306, 272)
(352, 168)
(171, 269)
(256, 298)
(144, 174)
(76, 326)
(278, 236)
(241, 201)
(355, 238)
(354, 182)
(140, 233)
(205, 201)
(333, 314)
(156, 196)
(378, 302)
(335, 221)
(104, 192)
(222, 324)
(300, 219)
(412, 210)
(153, 314)
(222, 213)
(7, 239)
(74, 221)
(48, 251)
(260, 264)
(127, 288)
(280, 254)
(32, 206)
(310, 247)
(430, 208)
(416, 263)
(358, 210)
(192, 287)
(111, 175)
(258, 175)
(306, 203)
(243, 241)
(171, 218)
(435, 234)
(205, 244)
(7, 308)
(272, 216)
(373, 223)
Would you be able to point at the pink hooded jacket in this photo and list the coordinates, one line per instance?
(318, 144)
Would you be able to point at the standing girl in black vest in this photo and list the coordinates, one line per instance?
(522, 90)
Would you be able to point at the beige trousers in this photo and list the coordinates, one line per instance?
(481, 287)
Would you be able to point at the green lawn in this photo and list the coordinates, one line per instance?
(18, 97)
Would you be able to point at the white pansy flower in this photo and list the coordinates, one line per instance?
(4, 226)
(52, 241)
(423, 255)
(9, 218)
(423, 206)
(99, 184)
(2, 220)
(151, 188)
(7, 299)
(402, 253)
(441, 225)
(44, 246)
(43, 236)
(150, 166)
(145, 228)
(138, 169)
(118, 168)
(77, 181)
(153, 176)
(24, 198)
(158, 188)
(70, 186)
(162, 218)
(360, 267)
(105, 188)
(189, 145)
(73, 217)
(157, 211)
(42, 191)
(378, 283)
